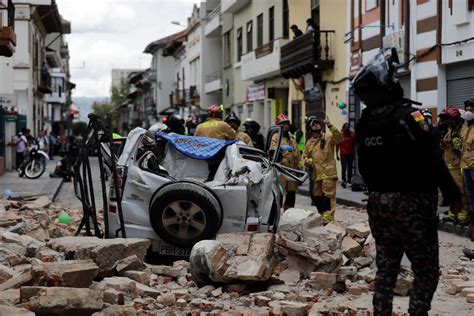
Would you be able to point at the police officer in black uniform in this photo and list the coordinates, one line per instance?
(401, 165)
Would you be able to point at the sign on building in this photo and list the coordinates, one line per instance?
(396, 40)
(7, 100)
(256, 92)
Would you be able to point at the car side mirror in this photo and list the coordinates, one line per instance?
(272, 131)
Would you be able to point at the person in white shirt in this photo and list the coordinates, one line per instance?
(19, 140)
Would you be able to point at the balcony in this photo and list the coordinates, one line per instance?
(212, 28)
(213, 82)
(45, 82)
(56, 96)
(7, 41)
(264, 62)
(189, 98)
(312, 51)
(232, 6)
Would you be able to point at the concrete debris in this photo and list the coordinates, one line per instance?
(296, 271)
(104, 252)
(60, 300)
(404, 282)
(71, 273)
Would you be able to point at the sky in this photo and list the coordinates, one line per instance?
(110, 34)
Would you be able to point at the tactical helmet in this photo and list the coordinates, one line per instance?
(232, 117)
(214, 110)
(282, 118)
(176, 124)
(310, 121)
(252, 124)
(375, 84)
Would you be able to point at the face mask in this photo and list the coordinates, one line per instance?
(469, 115)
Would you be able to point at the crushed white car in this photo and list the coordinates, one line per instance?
(165, 195)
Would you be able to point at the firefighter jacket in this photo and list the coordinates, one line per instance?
(452, 146)
(244, 137)
(291, 159)
(215, 128)
(319, 153)
(467, 155)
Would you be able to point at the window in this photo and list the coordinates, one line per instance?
(371, 4)
(271, 24)
(286, 19)
(227, 50)
(239, 44)
(249, 37)
(260, 30)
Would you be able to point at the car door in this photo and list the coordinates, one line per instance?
(140, 186)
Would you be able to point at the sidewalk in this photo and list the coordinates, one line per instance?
(343, 196)
(24, 187)
(359, 199)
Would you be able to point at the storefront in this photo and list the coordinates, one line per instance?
(460, 82)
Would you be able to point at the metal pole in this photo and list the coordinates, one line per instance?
(114, 174)
(104, 188)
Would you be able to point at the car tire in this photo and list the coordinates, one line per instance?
(183, 213)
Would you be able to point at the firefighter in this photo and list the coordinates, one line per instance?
(233, 120)
(290, 157)
(214, 126)
(451, 145)
(467, 162)
(319, 157)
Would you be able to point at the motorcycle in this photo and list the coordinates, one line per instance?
(34, 164)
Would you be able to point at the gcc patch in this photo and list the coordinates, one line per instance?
(417, 116)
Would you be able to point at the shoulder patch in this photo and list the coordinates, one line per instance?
(417, 116)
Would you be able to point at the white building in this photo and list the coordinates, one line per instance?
(260, 28)
(7, 93)
(211, 50)
(34, 19)
(121, 75)
(434, 40)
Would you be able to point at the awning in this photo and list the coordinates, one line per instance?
(70, 85)
(50, 17)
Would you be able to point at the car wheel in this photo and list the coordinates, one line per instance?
(184, 213)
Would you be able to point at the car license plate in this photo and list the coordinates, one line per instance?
(170, 250)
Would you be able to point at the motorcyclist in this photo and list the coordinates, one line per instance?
(233, 120)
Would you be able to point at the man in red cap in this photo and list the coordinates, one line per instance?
(214, 126)
(451, 145)
(290, 157)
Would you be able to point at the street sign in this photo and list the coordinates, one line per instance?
(7, 100)
(10, 118)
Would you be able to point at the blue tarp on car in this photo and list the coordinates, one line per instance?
(202, 148)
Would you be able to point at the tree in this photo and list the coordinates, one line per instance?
(102, 108)
(118, 94)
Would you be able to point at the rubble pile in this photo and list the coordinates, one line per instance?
(46, 271)
(458, 283)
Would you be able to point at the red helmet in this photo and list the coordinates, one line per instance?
(282, 118)
(453, 112)
(214, 110)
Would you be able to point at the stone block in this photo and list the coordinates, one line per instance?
(360, 230)
(240, 240)
(350, 247)
(70, 273)
(261, 244)
(104, 252)
(61, 300)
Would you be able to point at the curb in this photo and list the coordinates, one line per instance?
(339, 200)
(56, 190)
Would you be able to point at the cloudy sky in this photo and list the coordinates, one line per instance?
(110, 34)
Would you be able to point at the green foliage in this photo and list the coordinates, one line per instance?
(118, 95)
(79, 128)
(102, 108)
